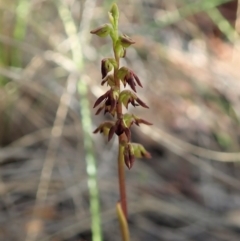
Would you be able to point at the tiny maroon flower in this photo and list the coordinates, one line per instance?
(132, 150)
(120, 127)
(110, 98)
(127, 76)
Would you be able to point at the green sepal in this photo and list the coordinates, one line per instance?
(105, 127)
(108, 65)
(112, 61)
(124, 97)
(122, 72)
(140, 151)
(128, 119)
(115, 93)
(109, 79)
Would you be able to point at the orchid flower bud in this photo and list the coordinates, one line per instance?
(125, 41)
(113, 15)
(102, 31)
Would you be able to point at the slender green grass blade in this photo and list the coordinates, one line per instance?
(222, 24)
(188, 10)
(76, 50)
(22, 11)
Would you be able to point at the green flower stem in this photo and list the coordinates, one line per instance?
(123, 223)
(121, 178)
(122, 205)
(121, 139)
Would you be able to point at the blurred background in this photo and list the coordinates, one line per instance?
(187, 57)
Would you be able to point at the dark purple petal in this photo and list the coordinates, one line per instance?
(140, 102)
(137, 79)
(124, 53)
(131, 83)
(131, 161)
(100, 99)
(128, 157)
(104, 81)
(127, 160)
(119, 127)
(136, 122)
(103, 68)
(133, 103)
(99, 110)
(142, 121)
(96, 130)
(113, 105)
